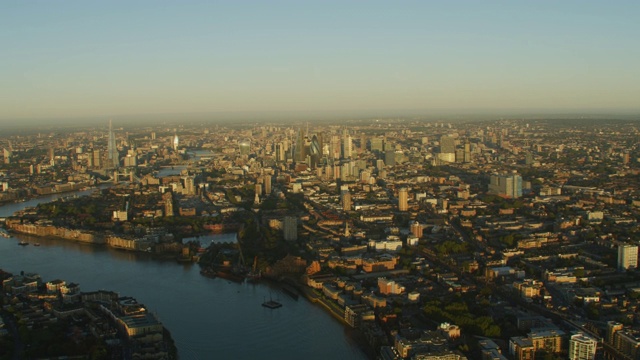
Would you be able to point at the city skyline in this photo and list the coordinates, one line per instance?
(94, 60)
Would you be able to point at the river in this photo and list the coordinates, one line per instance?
(208, 318)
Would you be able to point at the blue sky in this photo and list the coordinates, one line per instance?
(107, 58)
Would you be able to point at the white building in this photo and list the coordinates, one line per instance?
(582, 347)
(391, 243)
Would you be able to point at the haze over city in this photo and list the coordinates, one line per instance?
(408, 180)
(288, 59)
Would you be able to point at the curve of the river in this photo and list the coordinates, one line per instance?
(208, 318)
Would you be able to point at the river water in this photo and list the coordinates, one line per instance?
(208, 318)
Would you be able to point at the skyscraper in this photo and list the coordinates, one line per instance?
(627, 257)
(508, 185)
(346, 200)
(447, 149)
(112, 151)
(346, 144)
(176, 142)
(299, 154)
(390, 157)
(244, 147)
(267, 184)
(403, 199)
(377, 144)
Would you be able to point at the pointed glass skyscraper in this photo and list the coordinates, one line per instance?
(112, 151)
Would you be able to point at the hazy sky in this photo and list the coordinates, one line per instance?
(104, 58)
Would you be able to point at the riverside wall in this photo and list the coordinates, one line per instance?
(55, 231)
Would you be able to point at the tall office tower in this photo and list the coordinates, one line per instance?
(335, 147)
(290, 228)
(189, 185)
(176, 142)
(336, 171)
(365, 175)
(582, 347)
(379, 164)
(7, 156)
(403, 199)
(258, 192)
(112, 150)
(363, 143)
(167, 198)
(346, 200)
(390, 157)
(267, 184)
(244, 147)
(467, 152)
(416, 229)
(507, 185)
(346, 144)
(299, 154)
(377, 144)
(153, 135)
(315, 151)
(627, 257)
(281, 151)
(96, 156)
(52, 157)
(345, 171)
(447, 149)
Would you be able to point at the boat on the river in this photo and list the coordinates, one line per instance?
(23, 243)
(36, 244)
(271, 304)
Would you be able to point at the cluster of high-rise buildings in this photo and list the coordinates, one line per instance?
(399, 213)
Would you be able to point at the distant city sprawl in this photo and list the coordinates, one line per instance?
(486, 239)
